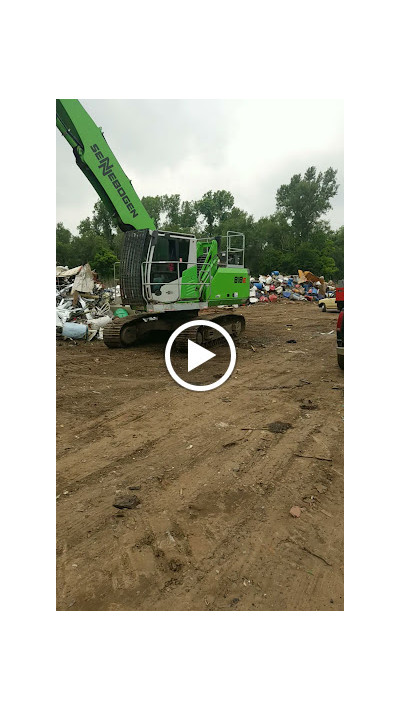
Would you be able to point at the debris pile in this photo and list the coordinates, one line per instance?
(82, 303)
(303, 286)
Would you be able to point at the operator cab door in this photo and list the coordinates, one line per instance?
(169, 260)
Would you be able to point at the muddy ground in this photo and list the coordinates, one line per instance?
(218, 474)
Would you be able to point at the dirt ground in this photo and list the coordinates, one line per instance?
(218, 474)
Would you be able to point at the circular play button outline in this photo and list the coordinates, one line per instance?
(177, 378)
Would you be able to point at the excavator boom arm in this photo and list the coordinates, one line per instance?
(96, 160)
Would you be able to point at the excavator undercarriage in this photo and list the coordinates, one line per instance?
(125, 332)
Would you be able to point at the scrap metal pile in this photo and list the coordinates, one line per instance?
(82, 303)
(84, 306)
(304, 286)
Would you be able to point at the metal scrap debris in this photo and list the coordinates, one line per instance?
(82, 303)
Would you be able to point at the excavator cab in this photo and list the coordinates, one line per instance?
(166, 270)
(158, 268)
(170, 260)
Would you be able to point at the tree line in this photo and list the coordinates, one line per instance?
(296, 236)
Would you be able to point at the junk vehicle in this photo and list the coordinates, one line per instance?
(340, 295)
(340, 339)
(167, 278)
(327, 304)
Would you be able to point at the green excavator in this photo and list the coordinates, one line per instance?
(167, 278)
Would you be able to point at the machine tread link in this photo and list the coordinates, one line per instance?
(207, 337)
(125, 332)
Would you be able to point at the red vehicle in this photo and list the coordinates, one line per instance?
(340, 339)
(340, 295)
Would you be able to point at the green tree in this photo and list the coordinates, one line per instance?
(106, 225)
(172, 210)
(295, 236)
(307, 257)
(64, 239)
(169, 213)
(329, 269)
(277, 232)
(188, 217)
(267, 245)
(87, 243)
(154, 206)
(338, 251)
(304, 200)
(273, 258)
(215, 208)
(236, 220)
(95, 234)
(103, 262)
(103, 223)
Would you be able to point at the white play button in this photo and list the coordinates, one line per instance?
(197, 355)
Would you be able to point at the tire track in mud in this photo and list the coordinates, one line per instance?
(216, 500)
(250, 522)
(204, 482)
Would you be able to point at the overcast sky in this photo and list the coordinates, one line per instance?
(249, 147)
